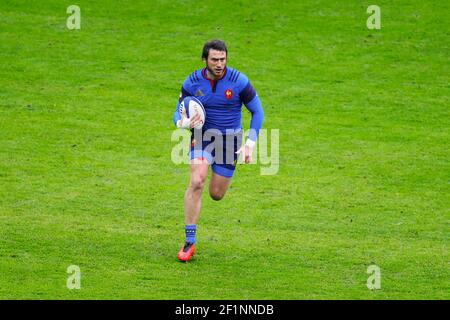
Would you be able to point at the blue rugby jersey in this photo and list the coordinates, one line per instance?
(223, 100)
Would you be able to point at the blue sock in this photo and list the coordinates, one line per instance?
(191, 230)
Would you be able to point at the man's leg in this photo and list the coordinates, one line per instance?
(224, 166)
(218, 186)
(192, 204)
(193, 195)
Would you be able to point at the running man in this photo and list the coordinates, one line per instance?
(222, 90)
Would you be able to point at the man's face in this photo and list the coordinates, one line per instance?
(216, 62)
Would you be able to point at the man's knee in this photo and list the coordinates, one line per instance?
(197, 181)
(216, 194)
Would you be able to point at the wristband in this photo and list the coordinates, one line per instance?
(184, 123)
(250, 143)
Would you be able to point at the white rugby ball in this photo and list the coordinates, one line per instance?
(191, 106)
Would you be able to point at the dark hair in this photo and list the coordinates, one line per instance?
(218, 45)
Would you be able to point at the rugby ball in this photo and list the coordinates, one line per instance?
(191, 106)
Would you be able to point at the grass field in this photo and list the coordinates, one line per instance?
(86, 176)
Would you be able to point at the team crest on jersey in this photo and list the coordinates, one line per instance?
(228, 94)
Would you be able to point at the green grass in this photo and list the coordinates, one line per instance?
(86, 176)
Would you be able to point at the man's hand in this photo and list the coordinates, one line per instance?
(195, 120)
(188, 123)
(247, 152)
